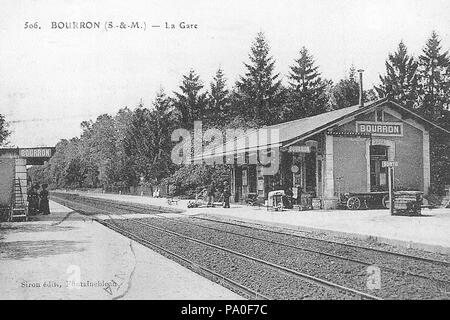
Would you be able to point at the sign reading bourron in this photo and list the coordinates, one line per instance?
(380, 128)
(35, 152)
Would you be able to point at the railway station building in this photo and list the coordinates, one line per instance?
(337, 152)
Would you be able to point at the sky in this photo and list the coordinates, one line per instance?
(51, 80)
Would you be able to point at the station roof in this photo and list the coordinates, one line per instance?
(293, 131)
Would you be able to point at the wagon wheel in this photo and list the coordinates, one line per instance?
(353, 203)
(385, 202)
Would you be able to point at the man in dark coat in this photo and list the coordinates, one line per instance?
(33, 199)
(43, 203)
(226, 194)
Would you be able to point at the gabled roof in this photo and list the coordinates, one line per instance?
(293, 131)
(309, 126)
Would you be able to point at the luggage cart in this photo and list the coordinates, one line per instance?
(364, 200)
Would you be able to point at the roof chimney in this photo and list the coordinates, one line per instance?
(361, 92)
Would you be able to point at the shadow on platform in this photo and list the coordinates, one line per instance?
(38, 248)
(23, 227)
(59, 217)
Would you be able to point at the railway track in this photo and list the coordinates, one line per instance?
(338, 290)
(444, 282)
(206, 272)
(140, 209)
(239, 233)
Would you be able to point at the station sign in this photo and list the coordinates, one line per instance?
(389, 164)
(299, 149)
(35, 152)
(380, 128)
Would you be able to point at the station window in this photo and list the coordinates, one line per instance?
(379, 116)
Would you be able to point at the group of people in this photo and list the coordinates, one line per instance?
(38, 199)
(226, 194)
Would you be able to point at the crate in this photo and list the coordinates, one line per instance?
(316, 203)
(407, 203)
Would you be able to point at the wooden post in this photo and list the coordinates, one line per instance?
(391, 189)
(390, 165)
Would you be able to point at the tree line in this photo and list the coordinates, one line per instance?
(133, 147)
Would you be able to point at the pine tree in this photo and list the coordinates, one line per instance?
(259, 91)
(401, 80)
(434, 69)
(218, 112)
(306, 88)
(191, 102)
(434, 79)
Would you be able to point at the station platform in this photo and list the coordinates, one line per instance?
(66, 255)
(429, 232)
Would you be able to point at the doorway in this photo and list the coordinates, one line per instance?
(378, 174)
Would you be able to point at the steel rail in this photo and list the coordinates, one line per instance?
(127, 206)
(214, 276)
(303, 276)
(398, 254)
(211, 275)
(300, 248)
(313, 279)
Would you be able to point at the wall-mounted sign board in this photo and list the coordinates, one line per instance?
(389, 164)
(35, 152)
(299, 149)
(380, 128)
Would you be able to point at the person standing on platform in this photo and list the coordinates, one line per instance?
(43, 204)
(226, 194)
(211, 191)
(33, 199)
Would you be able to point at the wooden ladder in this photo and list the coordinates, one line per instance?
(18, 207)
